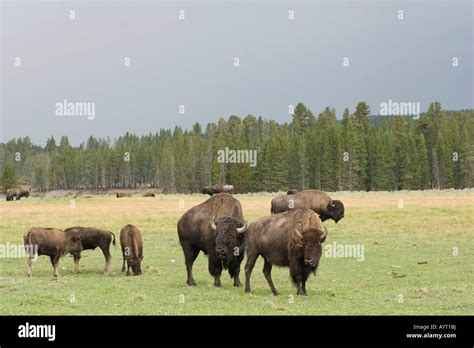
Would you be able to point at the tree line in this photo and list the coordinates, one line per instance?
(358, 152)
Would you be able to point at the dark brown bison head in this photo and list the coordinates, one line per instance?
(335, 210)
(311, 242)
(74, 243)
(229, 238)
(208, 190)
(136, 264)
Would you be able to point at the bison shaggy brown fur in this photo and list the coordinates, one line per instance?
(17, 192)
(52, 242)
(218, 188)
(290, 239)
(215, 227)
(92, 238)
(132, 249)
(318, 201)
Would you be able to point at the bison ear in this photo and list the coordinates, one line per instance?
(213, 224)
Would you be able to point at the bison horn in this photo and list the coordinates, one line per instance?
(243, 228)
(213, 224)
(298, 233)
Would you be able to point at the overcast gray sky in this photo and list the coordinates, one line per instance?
(190, 62)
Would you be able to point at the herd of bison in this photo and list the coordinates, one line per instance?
(291, 236)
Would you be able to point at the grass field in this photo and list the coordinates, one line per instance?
(418, 259)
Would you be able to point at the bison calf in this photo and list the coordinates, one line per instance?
(52, 242)
(290, 239)
(92, 238)
(132, 249)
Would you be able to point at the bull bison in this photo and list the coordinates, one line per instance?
(92, 238)
(17, 192)
(218, 188)
(291, 239)
(291, 191)
(217, 228)
(121, 195)
(318, 201)
(149, 194)
(132, 249)
(52, 242)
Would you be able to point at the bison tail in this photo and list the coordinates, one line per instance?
(113, 238)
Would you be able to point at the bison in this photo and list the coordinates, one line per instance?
(121, 195)
(92, 238)
(217, 228)
(132, 249)
(292, 191)
(149, 194)
(218, 188)
(17, 192)
(290, 239)
(318, 201)
(52, 242)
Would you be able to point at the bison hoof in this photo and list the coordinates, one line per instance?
(247, 291)
(193, 283)
(276, 293)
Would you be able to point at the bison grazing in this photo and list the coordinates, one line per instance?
(315, 200)
(291, 191)
(18, 192)
(52, 242)
(291, 239)
(121, 195)
(219, 188)
(92, 238)
(149, 194)
(132, 249)
(217, 228)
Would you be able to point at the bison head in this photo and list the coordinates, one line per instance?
(208, 190)
(229, 237)
(136, 264)
(310, 241)
(74, 243)
(335, 210)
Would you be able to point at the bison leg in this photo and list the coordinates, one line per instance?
(215, 269)
(29, 269)
(251, 259)
(190, 255)
(55, 263)
(267, 271)
(237, 282)
(124, 258)
(77, 268)
(108, 260)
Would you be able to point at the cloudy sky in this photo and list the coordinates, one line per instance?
(190, 61)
